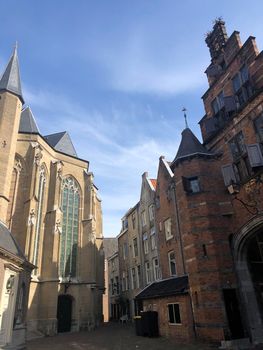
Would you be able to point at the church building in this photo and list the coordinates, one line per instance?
(50, 204)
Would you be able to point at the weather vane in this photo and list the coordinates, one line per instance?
(185, 117)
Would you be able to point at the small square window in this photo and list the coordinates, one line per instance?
(191, 184)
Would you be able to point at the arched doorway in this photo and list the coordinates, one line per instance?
(248, 256)
(64, 313)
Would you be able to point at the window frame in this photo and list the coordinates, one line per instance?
(148, 272)
(145, 243)
(174, 314)
(70, 184)
(238, 150)
(166, 222)
(172, 261)
(135, 247)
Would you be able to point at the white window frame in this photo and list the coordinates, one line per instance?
(143, 217)
(168, 229)
(151, 212)
(145, 243)
(133, 246)
(153, 239)
(168, 316)
(156, 269)
(148, 272)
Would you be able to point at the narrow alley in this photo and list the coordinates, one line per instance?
(111, 336)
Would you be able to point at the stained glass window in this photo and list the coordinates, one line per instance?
(70, 228)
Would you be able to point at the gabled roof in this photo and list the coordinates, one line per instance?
(8, 243)
(167, 287)
(190, 146)
(10, 80)
(28, 122)
(61, 141)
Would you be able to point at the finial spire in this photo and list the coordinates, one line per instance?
(10, 80)
(185, 117)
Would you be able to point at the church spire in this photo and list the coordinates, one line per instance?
(10, 80)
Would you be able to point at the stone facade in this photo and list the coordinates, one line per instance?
(130, 266)
(50, 203)
(148, 234)
(114, 287)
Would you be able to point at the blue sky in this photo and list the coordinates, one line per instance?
(116, 74)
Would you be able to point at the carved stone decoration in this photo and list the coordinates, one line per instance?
(59, 168)
(58, 228)
(38, 156)
(18, 165)
(38, 152)
(32, 218)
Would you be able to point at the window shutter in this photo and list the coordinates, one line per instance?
(230, 103)
(254, 155)
(210, 124)
(228, 174)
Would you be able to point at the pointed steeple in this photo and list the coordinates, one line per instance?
(10, 80)
(190, 146)
(27, 122)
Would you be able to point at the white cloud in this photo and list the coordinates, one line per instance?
(117, 164)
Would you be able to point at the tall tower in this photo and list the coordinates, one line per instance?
(11, 101)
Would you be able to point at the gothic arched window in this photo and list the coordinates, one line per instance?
(39, 214)
(70, 227)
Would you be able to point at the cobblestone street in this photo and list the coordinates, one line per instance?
(108, 337)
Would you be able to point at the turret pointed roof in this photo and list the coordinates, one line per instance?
(61, 141)
(27, 122)
(190, 146)
(10, 80)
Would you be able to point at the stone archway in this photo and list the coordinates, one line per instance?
(247, 257)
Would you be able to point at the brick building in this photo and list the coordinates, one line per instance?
(209, 205)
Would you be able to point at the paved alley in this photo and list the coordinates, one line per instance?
(108, 337)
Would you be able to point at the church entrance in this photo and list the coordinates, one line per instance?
(64, 312)
(248, 254)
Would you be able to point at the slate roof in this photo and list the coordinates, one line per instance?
(10, 80)
(164, 288)
(190, 146)
(61, 141)
(8, 243)
(28, 122)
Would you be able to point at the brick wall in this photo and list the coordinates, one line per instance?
(181, 332)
